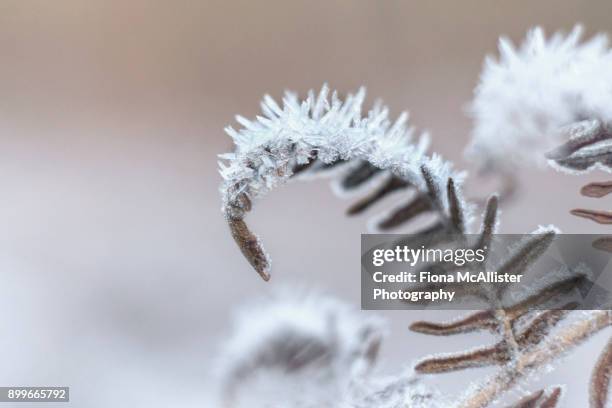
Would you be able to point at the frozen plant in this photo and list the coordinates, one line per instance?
(308, 350)
(528, 338)
(318, 133)
(318, 338)
(527, 95)
(589, 146)
(311, 351)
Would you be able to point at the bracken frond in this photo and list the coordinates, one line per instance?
(320, 133)
(597, 189)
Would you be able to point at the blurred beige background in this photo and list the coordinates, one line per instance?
(118, 273)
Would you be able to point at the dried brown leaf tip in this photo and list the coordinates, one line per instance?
(597, 190)
(600, 379)
(548, 398)
(251, 247)
(248, 242)
(600, 217)
(489, 222)
(480, 357)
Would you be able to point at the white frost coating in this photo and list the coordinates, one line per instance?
(586, 149)
(403, 391)
(546, 229)
(526, 95)
(297, 349)
(331, 129)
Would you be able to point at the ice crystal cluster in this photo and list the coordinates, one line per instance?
(308, 351)
(267, 148)
(530, 92)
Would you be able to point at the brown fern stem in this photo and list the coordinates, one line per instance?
(600, 379)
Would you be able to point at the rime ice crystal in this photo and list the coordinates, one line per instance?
(334, 129)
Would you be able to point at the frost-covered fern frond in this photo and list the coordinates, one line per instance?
(331, 132)
(312, 351)
(269, 147)
(302, 350)
(527, 94)
(530, 334)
